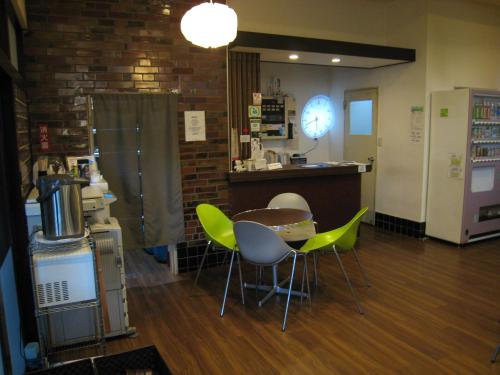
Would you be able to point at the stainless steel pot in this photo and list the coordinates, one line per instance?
(60, 198)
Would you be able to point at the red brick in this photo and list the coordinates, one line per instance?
(146, 85)
(120, 85)
(144, 69)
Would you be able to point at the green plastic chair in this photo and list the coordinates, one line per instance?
(340, 240)
(218, 230)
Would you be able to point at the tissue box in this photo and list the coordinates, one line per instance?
(260, 164)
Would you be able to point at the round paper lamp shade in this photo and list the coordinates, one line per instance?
(210, 25)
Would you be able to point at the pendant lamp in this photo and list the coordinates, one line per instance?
(210, 25)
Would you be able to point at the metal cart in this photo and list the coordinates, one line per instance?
(55, 297)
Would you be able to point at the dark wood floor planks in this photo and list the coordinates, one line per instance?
(433, 309)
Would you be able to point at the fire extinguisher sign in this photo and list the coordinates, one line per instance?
(44, 136)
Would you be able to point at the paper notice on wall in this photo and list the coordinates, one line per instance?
(255, 125)
(417, 121)
(455, 166)
(194, 122)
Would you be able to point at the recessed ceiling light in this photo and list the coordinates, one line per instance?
(293, 56)
(335, 60)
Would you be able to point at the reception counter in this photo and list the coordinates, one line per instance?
(333, 192)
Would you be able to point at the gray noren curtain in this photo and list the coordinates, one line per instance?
(126, 123)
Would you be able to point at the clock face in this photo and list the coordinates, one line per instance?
(317, 116)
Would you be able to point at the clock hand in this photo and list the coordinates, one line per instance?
(315, 120)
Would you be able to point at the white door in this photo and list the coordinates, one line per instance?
(360, 140)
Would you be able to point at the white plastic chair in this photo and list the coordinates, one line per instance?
(297, 201)
(289, 200)
(261, 246)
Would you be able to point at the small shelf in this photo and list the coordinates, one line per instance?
(479, 122)
(485, 159)
(485, 141)
(273, 137)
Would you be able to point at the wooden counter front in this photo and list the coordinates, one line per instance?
(333, 192)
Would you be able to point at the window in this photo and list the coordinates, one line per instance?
(360, 117)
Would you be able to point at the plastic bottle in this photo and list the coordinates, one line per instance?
(477, 111)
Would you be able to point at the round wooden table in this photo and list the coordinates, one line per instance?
(292, 225)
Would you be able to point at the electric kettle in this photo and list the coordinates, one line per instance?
(60, 198)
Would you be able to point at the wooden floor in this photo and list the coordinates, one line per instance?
(142, 270)
(433, 309)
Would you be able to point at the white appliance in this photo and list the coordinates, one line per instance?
(65, 289)
(463, 195)
(96, 204)
(64, 273)
(108, 242)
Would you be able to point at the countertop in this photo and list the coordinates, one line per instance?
(295, 171)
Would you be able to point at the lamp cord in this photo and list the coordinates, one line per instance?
(313, 147)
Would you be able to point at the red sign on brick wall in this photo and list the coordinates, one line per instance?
(44, 136)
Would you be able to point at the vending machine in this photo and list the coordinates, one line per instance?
(463, 193)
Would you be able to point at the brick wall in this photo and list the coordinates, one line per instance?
(75, 48)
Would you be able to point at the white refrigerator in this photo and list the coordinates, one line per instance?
(463, 192)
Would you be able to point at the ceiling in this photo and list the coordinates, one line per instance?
(310, 51)
(316, 58)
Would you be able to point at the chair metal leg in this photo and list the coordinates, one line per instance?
(495, 354)
(304, 272)
(227, 284)
(367, 282)
(308, 286)
(201, 264)
(241, 279)
(360, 309)
(305, 275)
(315, 261)
(283, 327)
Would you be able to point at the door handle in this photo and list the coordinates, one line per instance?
(371, 159)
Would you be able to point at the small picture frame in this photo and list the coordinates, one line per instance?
(80, 166)
(254, 111)
(257, 98)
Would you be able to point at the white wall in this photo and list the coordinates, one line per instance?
(353, 20)
(302, 82)
(463, 45)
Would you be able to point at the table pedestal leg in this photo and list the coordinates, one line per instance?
(276, 288)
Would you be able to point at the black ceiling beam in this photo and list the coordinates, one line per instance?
(301, 44)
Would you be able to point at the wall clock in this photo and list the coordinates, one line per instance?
(317, 116)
